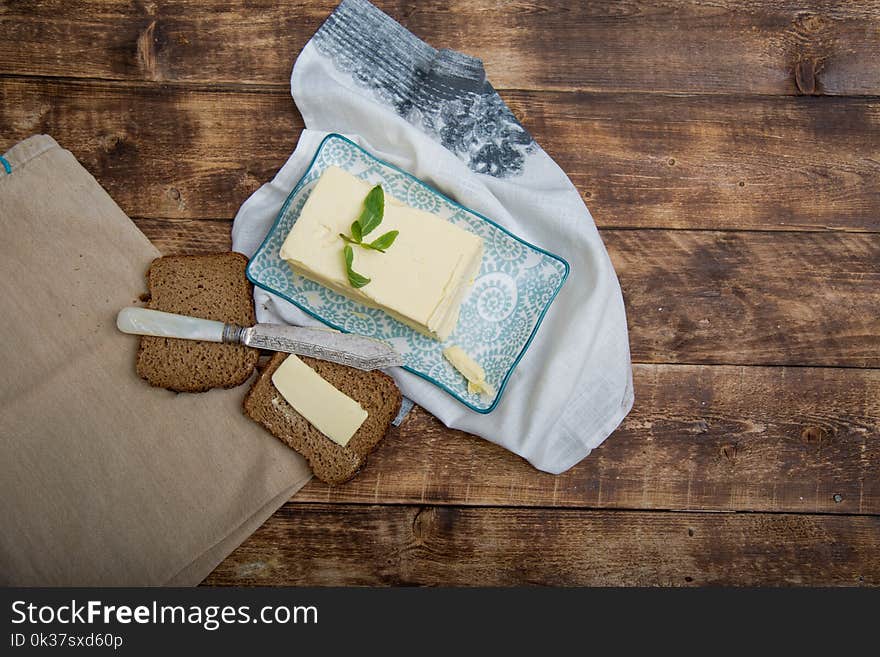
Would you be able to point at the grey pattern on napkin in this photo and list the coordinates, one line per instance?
(443, 92)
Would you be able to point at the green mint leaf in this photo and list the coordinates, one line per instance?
(356, 280)
(371, 216)
(383, 242)
(374, 209)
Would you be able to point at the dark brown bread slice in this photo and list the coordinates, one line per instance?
(331, 462)
(211, 287)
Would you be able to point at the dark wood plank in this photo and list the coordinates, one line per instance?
(336, 545)
(159, 152)
(186, 236)
(699, 438)
(710, 162)
(670, 162)
(728, 46)
(749, 298)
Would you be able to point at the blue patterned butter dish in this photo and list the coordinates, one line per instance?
(499, 317)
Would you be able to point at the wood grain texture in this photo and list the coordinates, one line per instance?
(159, 152)
(749, 298)
(638, 161)
(186, 236)
(698, 438)
(336, 545)
(726, 46)
(708, 162)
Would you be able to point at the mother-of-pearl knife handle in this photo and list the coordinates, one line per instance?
(143, 321)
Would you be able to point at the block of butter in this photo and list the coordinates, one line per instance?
(420, 280)
(328, 409)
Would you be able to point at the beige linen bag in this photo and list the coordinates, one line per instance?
(103, 479)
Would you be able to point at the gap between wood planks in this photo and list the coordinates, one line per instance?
(293, 501)
(602, 229)
(171, 85)
(262, 88)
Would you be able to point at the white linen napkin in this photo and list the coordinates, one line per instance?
(434, 114)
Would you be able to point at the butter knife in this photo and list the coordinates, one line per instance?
(356, 351)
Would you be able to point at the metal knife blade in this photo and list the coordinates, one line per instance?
(344, 348)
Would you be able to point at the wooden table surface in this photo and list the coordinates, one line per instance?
(730, 154)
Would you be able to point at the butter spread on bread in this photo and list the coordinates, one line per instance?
(330, 411)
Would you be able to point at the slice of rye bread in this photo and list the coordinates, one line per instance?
(210, 286)
(330, 462)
